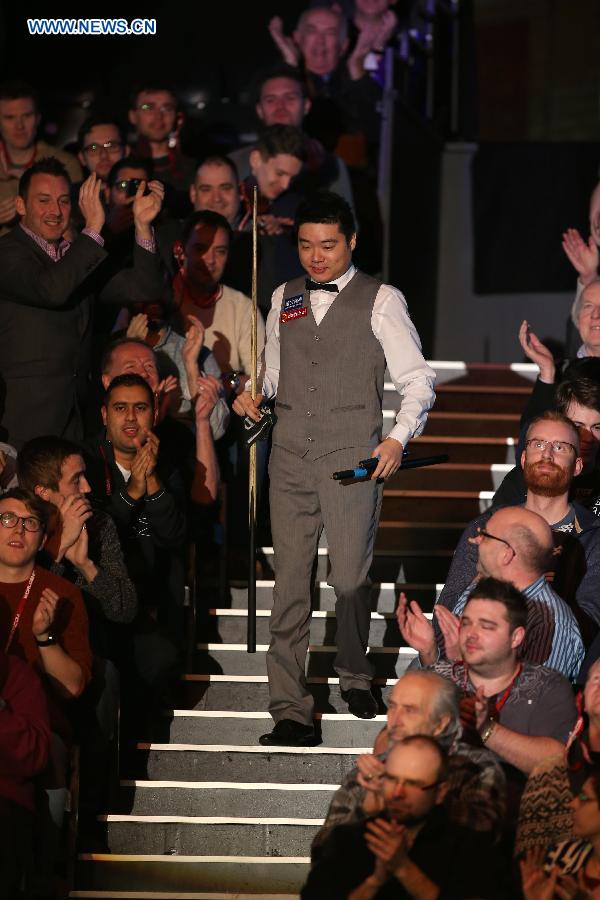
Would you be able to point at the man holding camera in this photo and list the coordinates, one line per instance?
(329, 340)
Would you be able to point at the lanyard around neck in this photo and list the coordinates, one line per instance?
(19, 611)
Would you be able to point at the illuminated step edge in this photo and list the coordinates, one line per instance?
(324, 648)
(251, 748)
(207, 820)
(167, 858)
(228, 785)
(263, 679)
(231, 714)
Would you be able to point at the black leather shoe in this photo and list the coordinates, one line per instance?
(288, 733)
(361, 704)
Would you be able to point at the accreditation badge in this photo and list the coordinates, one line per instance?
(293, 308)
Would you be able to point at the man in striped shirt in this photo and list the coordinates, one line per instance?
(515, 546)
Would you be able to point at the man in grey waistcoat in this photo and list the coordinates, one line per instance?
(329, 339)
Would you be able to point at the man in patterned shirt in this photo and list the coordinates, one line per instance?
(424, 702)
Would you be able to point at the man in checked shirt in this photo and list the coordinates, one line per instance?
(48, 288)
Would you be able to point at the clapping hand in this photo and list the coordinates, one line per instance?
(143, 467)
(449, 626)
(416, 629)
(582, 256)
(537, 352)
(194, 340)
(209, 390)
(286, 45)
(138, 327)
(165, 394)
(146, 207)
(388, 842)
(44, 614)
(90, 203)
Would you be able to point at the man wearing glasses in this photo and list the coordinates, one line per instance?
(43, 621)
(410, 849)
(515, 547)
(157, 119)
(101, 145)
(550, 461)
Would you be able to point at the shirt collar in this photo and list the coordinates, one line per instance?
(582, 352)
(55, 251)
(534, 588)
(343, 280)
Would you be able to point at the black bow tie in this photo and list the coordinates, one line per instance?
(316, 286)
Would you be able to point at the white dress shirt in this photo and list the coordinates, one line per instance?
(391, 325)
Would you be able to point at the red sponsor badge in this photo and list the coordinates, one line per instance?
(293, 314)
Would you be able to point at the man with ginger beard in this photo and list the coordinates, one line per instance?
(548, 476)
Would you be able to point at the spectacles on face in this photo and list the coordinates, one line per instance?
(108, 146)
(493, 537)
(408, 783)
(560, 447)
(152, 107)
(11, 520)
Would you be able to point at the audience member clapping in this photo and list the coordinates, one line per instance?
(43, 621)
(409, 849)
(570, 868)
(424, 703)
(546, 815)
(549, 475)
(521, 711)
(347, 96)
(515, 546)
(50, 287)
(24, 749)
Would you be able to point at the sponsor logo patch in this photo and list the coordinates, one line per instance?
(295, 302)
(293, 314)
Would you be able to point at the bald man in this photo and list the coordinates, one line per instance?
(514, 546)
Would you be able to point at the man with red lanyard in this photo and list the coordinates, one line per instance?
(42, 621)
(520, 711)
(19, 150)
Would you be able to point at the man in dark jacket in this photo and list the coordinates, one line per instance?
(144, 495)
(47, 290)
(411, 850)
(577, 395)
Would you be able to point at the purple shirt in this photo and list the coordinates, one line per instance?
(57, 251)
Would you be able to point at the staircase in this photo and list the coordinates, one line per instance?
(206, 812)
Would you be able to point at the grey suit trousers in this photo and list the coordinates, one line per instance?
(304, 500)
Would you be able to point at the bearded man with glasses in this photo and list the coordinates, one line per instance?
(550, 461)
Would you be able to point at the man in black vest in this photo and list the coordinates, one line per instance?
(329, 339)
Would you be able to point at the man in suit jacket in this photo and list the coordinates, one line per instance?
(47, 289)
